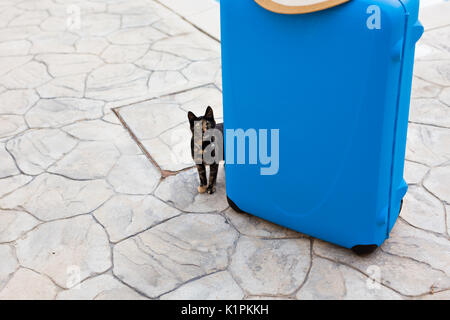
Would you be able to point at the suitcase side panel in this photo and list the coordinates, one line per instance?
(414, 31)
(339, 201)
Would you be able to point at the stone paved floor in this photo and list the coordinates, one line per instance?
(84, 214)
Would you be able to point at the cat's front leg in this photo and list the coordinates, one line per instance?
(202, 174)
(213, 170)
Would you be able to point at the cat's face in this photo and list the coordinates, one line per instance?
(206, 122)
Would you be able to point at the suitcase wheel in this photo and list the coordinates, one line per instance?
(362, 250)
(234, 206)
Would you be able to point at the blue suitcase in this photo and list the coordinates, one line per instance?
(334, 77)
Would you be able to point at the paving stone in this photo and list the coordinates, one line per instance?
(134, 175)
(443, 295)
(71, 86)
(138, 7)
(17, 101)
(99, 130)
(430, 111)
(201, 72)
(63, 111)
(437, 72)
(89, 160)
(8, 167)
(36, 150)
(55, 248)
(181, 191)
(99, 24)
(60, 65)
(162, 258)
(252, 226)
(256, 261)
(198, 99)
(172, 150)
(13, 224)
(93, 45)
(164, 82)
(18, 33)
(140, 20)
(445, 96)
(329, 280)
(419, 245)
(10, 184)
(414, 172)
(117, 82)
(15, 48)
(423, 210)
(11, 125)
(137, 36)
(438, 38)
(50, 197)
(54, 24)
(427, 144)
(53, 42)
(404, 275)
(9, 264)
(161, 61)
(28, 285)
(447, 211)
(192, 46)
(30, 75)
(8, 64)
(173, 26)
(218, 286)
(424, 89)
(149, 119)
(125, 215)
(103, 287)
(123, 54)
(438, 182)
(29, 18)
(8, 14)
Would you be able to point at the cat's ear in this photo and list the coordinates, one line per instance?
(192, 117)
(209, 114)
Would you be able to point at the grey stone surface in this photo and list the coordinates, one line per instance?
(103, 287)
(427, 144)
(329, 280)
(36, 150)
(218, 286)
(257, 261)
(255, 227)
(9, 264)
(134, 175)
(19, 288)
(50, 197)
(13, 224)
(124, 216)
(407, 276)
(63, 111)
(438, 182)
(88, 160)
(56, 248)
(164, 257)
(181, 191)
(414, 172)
(8, 167)
(423, 210)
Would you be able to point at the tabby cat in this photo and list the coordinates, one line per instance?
(201, 142)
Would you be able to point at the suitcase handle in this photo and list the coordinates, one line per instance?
(298, 6)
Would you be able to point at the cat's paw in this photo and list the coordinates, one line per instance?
(201, 189)
(211, 189)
